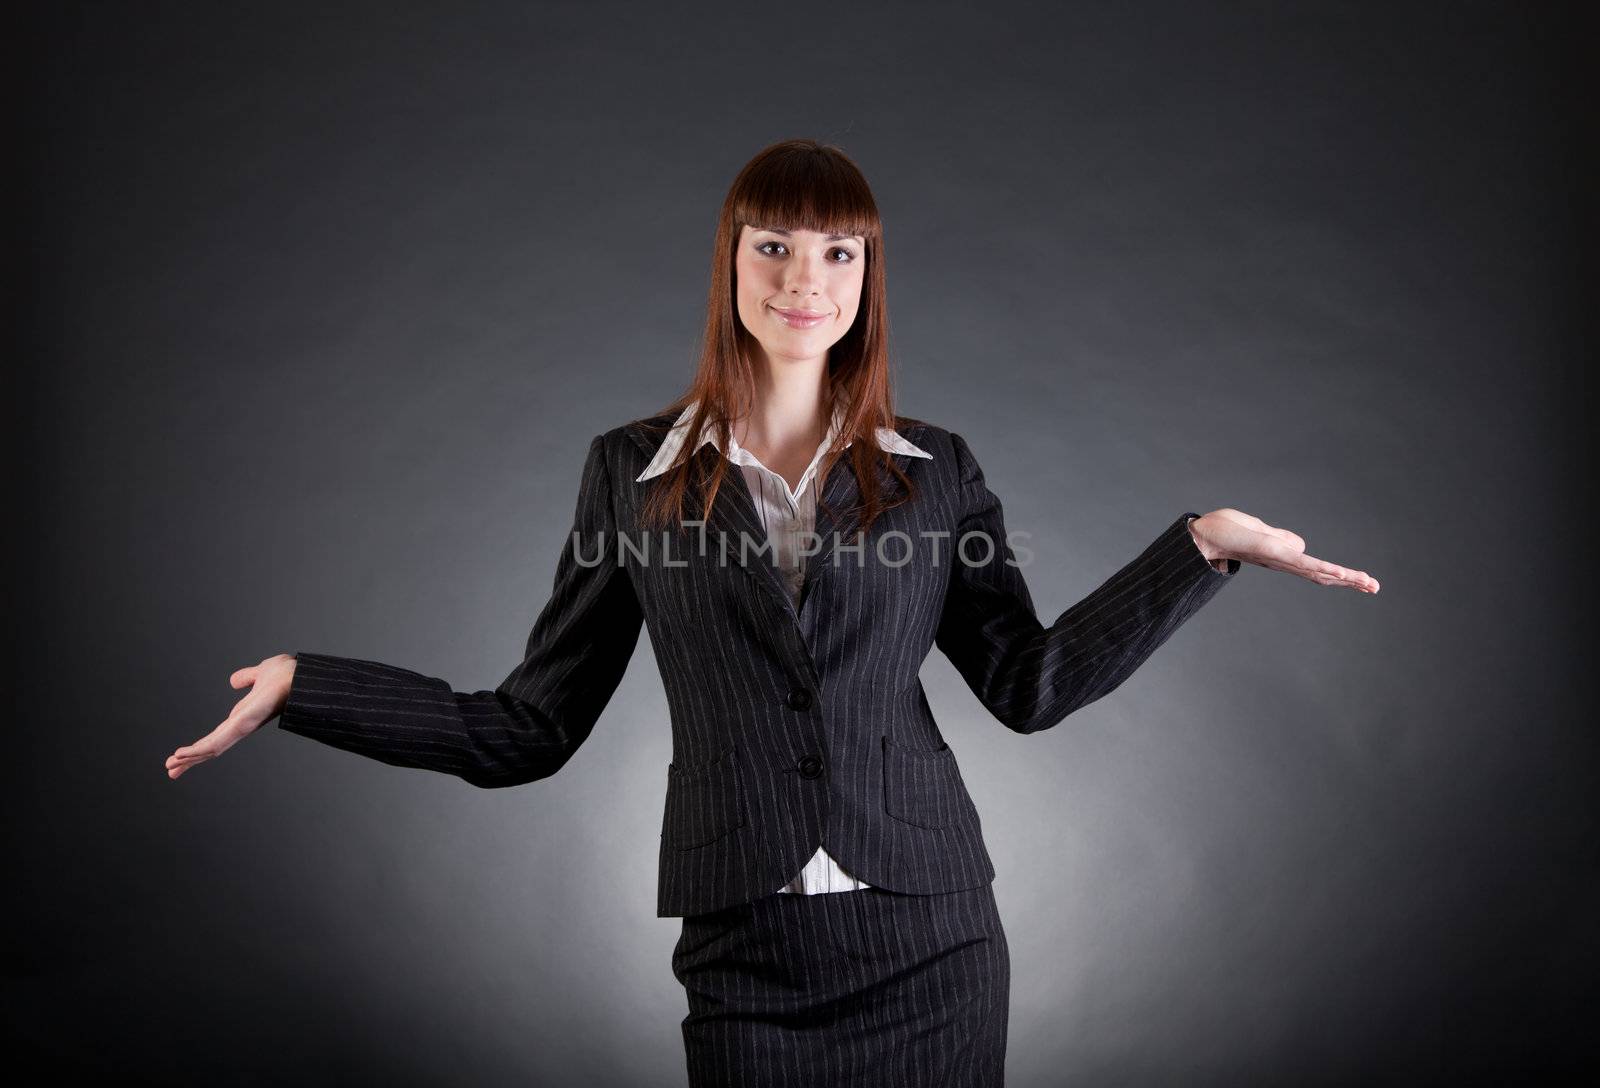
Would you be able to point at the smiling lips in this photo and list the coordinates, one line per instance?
(800, 319)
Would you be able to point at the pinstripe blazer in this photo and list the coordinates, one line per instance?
(792, 725)
(785, 517)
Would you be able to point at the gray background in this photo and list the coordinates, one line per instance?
(324, 304)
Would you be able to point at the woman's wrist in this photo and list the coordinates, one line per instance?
(1218, 563)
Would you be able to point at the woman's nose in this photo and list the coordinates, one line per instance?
(804, 277)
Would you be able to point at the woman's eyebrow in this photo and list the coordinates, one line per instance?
(830, 238)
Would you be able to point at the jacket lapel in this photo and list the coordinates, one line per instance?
(733, 518)
(735, 524)
(840, 493)
(734, 513)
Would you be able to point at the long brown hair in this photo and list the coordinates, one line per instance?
(793, 185)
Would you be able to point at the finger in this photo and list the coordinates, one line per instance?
(212, 744)
(1359, 579)
(184, 762)
(1312, 569)
(189, 752)
(176, 767)
(243, 678)
(194, 752)
(1334, 574)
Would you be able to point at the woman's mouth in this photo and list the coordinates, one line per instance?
(800, 319)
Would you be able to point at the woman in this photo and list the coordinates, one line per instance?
(839, 924)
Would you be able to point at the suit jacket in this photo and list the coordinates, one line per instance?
(785, 516)
(792, 725)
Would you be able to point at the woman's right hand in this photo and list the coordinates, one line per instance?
(269, 690)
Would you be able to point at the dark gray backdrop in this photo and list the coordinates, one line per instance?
(324, 302)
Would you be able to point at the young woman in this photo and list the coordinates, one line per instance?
(817, 839)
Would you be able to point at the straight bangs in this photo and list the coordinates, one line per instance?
(807, 192)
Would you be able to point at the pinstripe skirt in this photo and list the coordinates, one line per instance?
(868, 988)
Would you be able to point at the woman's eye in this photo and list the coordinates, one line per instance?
(849, 255)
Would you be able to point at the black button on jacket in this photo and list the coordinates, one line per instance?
(789, 728)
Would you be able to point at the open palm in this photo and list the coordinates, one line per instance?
(1233, 534)
(269, 684)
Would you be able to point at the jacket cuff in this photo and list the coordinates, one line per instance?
(306, 711)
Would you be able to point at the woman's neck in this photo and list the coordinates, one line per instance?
(788, 421)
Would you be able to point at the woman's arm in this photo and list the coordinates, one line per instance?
(1030, 676)
(525, 729)
(533, 722)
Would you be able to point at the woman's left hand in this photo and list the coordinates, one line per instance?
(1233, 534)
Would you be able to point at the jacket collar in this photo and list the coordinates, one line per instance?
(734, 510)
(667, 455)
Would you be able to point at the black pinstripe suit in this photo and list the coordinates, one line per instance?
(791, 727)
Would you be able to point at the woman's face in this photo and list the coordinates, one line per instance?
(782, 276)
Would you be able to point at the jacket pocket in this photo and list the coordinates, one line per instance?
(705, 801)
(922, 787)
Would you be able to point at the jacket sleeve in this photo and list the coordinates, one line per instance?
(532, 723)
(1030, 676)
